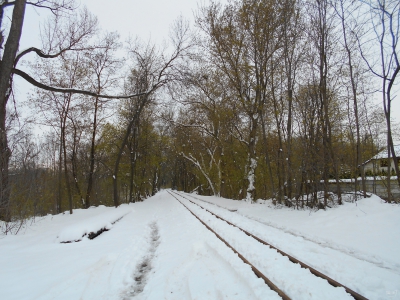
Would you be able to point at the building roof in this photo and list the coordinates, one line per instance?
(384, 154)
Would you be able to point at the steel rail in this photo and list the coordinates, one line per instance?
(331, 281)
(257, 272)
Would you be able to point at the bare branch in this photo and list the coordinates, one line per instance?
(44, 55)
(53, 6)
(76, 91)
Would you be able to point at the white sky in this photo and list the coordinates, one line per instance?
(149, 18)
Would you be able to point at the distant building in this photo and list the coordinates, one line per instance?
(379, 163)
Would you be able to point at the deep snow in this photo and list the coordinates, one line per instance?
(158, 250)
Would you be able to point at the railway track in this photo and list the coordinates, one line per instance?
(257, 272)
(383, 265)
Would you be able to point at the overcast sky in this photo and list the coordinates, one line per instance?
(149, 18)
(146, 19)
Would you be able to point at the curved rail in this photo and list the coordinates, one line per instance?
(331, 281)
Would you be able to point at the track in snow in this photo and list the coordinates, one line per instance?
(350, 252)
(258, 273)
(144, 267)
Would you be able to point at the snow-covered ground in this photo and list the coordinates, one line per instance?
(158, 250)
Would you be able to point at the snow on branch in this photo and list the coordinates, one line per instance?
(197, 164)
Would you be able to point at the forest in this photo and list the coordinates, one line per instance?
(258, 99)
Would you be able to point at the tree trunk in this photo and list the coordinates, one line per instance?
(389, 100)
(355, 105)
(142, 103)
(67, 182)
(154, 189)
(267, 160)
(132, 155)
(74, 171)
(60, 155)
(6, 65)
(289, 140)
(92, 151)
(252, 163)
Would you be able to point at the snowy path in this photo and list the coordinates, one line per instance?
(188, 262)
(372, 280)
(191, 263)
(158, 250)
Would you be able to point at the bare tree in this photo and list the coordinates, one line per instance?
(384, 25)
(103, 64)
(152, 70)
(9, 67)
(345, 12)
(321, 33)
(73, 35)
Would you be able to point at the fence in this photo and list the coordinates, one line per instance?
(377, 185)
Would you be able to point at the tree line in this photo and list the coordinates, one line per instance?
(278, 101)
(260, 99)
